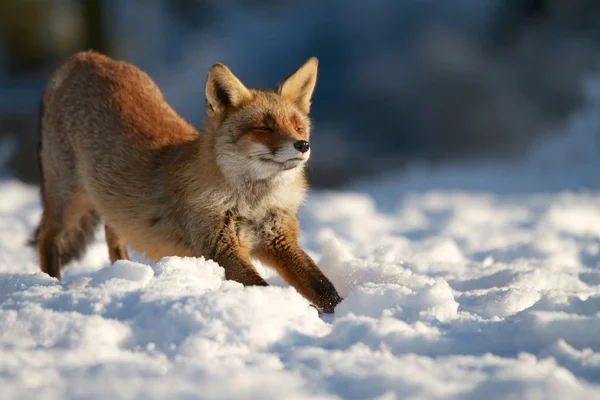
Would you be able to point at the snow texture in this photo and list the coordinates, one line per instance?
(467, 282)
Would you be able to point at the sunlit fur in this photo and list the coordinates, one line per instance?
(113, 149)
(245, 154)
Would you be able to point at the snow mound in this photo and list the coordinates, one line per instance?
(476, 295)
(462, 283)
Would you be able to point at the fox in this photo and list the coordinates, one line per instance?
(113, 151)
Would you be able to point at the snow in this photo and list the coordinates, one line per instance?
(465, 281)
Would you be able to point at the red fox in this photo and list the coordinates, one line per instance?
(112, 149)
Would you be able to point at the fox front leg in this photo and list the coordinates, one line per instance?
(232, 254)
(280, 249)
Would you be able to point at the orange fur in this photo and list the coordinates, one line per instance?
(112, 148)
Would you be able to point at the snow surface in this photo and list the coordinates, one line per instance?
(465, 282)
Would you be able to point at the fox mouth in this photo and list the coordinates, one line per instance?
(287, 164)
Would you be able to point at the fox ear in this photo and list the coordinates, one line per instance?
(223, 90)
(299, 86)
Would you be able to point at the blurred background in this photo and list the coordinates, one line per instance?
(400, 82)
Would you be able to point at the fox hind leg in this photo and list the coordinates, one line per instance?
(68, 218)
(49, 253)
(67, 226)
(117, 248)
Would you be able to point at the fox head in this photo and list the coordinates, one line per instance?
(260, 134)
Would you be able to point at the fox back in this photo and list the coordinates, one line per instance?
(113, 150)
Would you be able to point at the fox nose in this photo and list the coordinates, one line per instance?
(302, 146)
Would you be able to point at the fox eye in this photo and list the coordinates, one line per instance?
(299, 129)
(262, 129)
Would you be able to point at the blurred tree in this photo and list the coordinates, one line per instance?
(95, 25)
(37, 34)
(22, 35)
